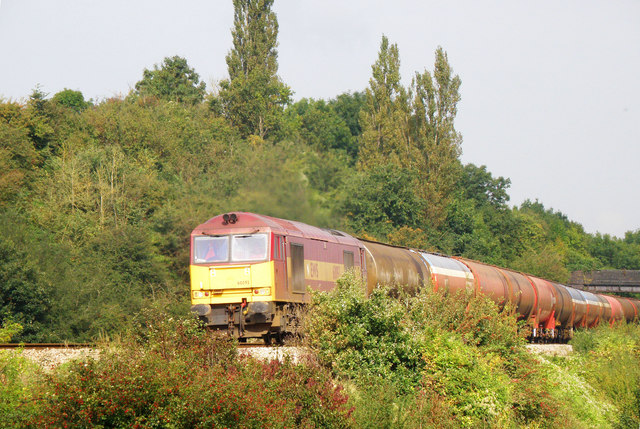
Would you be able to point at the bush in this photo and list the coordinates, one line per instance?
(360, 337)
(18, 379)
(609, 359)
(431, 360)
(174, 374)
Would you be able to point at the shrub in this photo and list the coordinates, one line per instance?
(174, 374)
(475, 318)
(18, 379)
(609, 359)
(431, 360)
(360, 337)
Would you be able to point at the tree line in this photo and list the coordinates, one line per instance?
(97, 198)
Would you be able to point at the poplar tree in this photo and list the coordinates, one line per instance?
(435, 100)
(414, 129)
(253, 98)
(385, 115)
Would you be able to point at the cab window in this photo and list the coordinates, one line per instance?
(211, 249)
(252, 247)
(230, 248)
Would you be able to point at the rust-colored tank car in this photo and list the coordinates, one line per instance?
(251, 274)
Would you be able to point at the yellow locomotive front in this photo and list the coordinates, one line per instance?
(233, 275)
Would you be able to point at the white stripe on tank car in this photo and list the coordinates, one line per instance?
(460, 270)
(451, 273)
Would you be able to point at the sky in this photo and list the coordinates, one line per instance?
(550, 89)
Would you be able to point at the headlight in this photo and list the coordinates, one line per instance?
(262, 291)
(200, 294)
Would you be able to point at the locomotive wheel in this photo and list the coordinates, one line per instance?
(281, 338)
(267, 339)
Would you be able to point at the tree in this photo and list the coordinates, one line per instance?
(174, 80)
(321, 127)
(71, 99)
(40, 118)
(435, 100)
(414, 128)
(384, 116)
(23, 296)
(253, 97)
(348, 106)
(478, 184)
(18, 157)
(381, 199)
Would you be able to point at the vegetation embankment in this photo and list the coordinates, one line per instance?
(386, 361)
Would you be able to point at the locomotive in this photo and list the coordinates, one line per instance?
(250, 276)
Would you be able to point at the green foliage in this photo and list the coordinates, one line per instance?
(381, 199)
(617, 253)
(437, 143)
(174, 80)
(414, 128)
(358, 336)
(384, 116)
(254, 97)
(171, 373)
(18, 156)
(547, 262)
(24, 298)
(19, 380)
(348, 106)
(70, 99)
(255, 38)
(39, 118)
(9, 330)
(479, 185)
(124, 170)
(321, 127)
(448, 361)
(609, 359)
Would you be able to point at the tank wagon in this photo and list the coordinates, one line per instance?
(250, 274)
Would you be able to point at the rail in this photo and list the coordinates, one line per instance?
(46, 345)
(86, 345)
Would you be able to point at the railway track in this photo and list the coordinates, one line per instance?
(28, 346)
(46, 345)
(253, 346)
